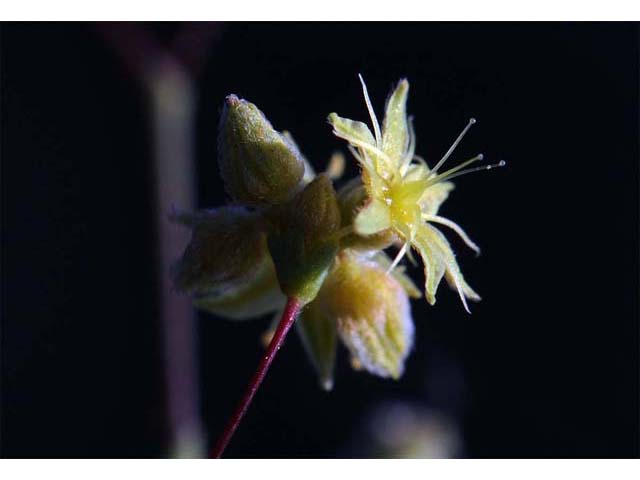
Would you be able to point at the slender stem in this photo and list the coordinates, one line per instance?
(291, 311)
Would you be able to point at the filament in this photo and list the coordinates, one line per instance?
(453, 146)
(449, 173)
(399, 256)
(501, 163)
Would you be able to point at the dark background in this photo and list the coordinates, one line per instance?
(547, 365)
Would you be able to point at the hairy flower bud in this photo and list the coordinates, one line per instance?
(227, 245)
(258, 164)
(373, 314)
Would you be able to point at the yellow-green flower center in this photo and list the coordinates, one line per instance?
(404, 208)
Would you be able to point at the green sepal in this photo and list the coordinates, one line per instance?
(303, 242)
(319, 335)
(256, 297)
(301, 270)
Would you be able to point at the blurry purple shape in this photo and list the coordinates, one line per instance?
(168, 77)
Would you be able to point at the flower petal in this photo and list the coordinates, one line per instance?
(415, 171)
(370, 157)
(352, 197)
(434, 196)
(351, 130)
(439, 260)
(433, 261)
(373, 218)
(395, 127)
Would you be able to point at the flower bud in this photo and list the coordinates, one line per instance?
(305, 242)
(259, 165)
(373, 314)
(227, 246)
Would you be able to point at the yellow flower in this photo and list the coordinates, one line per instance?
(404, 193)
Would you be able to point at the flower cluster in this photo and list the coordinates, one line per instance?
(289, 234)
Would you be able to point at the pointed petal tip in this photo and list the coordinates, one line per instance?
(463, 298)
(468, 293)
(474, 297)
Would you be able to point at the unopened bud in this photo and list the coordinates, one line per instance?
(373, 314)
(259, 165)
(227, 246)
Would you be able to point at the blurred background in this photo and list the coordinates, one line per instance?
(105, 127)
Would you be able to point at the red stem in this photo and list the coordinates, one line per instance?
(291, 311)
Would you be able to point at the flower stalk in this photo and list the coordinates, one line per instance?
(291, 311)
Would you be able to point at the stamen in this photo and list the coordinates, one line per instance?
(501, 163)
(449, 173)
(455, 227)
(453, 147)
(372, 114)
(399, 256)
